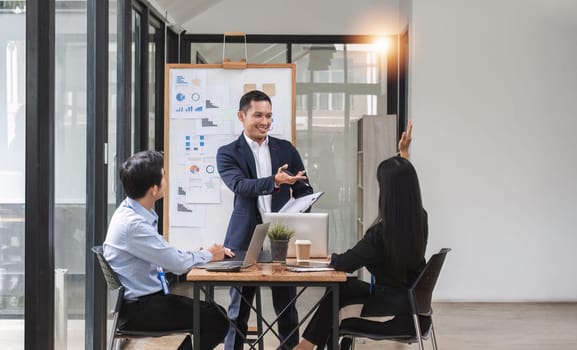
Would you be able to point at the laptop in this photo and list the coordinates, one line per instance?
(311, 226)
(250, 258)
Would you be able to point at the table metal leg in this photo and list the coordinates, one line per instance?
(335, 333)
(268, 327)
(196, 316)
(259, 318)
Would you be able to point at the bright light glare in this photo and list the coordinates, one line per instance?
(382, 45)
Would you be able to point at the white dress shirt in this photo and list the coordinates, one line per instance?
(263, 164)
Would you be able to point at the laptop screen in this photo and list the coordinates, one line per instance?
(255, 246)
(311, 226)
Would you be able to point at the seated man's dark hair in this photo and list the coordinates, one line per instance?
(140, 172)
(254, 95)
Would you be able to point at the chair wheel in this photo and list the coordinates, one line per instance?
(346, 343)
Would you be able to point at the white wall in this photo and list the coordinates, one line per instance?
(298, 17)
(494, 101)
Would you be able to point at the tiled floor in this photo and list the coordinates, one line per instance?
(470, 326)
(477, 326)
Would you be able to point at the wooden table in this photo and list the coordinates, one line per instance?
(266, 274)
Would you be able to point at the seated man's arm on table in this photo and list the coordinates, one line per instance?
(145, 243)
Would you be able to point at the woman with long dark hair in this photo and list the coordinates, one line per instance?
(392, 249)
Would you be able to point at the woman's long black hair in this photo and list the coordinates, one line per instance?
(402, 219)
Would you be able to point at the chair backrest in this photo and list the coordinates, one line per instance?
(112, 280)
(421, 293)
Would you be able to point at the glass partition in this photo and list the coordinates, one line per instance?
(210, 53)
(12, 172)
(136, 68)
(152, 32)
(112, 107)
(70, 173)
(336, 85)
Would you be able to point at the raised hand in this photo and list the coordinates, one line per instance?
(405, 141)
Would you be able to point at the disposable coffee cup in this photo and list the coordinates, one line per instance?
(303, 248)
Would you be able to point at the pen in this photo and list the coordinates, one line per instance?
(291, 174)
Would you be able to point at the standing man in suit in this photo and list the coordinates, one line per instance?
(252, 167)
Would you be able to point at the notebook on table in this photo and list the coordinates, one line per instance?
(309, 266)
(250, 258)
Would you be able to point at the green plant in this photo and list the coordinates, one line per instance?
(279, 232)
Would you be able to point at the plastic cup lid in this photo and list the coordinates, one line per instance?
(303, 241)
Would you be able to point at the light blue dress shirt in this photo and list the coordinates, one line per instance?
(134, 250)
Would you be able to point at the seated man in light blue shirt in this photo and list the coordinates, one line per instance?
(139, 255)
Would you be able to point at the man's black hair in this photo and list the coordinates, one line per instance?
(140, 172)
(254, 95)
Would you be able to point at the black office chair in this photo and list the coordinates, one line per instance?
(113, 283)
(400, 329)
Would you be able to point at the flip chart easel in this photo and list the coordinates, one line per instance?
(201, 104)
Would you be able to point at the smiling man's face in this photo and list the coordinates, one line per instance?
(257, 120)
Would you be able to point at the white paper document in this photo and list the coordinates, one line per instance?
(309, 269)
(301, 204)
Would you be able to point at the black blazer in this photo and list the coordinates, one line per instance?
(390, 293)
